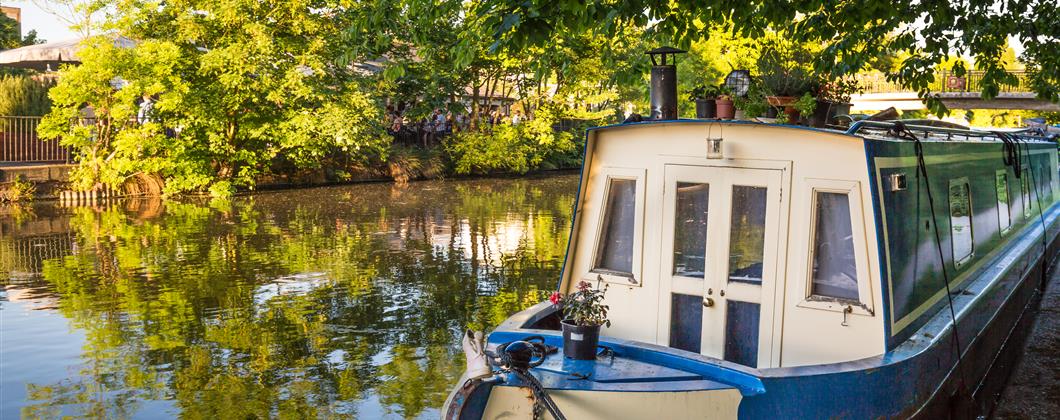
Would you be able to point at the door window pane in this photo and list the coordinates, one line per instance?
(615, 249)
(686, 322)
(834, 270)
(960, 219)
(1003, 215)
(741, 332)
(690, 229)
(747, 233)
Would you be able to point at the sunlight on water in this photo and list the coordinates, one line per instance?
(326, 302)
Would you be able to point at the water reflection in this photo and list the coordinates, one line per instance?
(329, 302)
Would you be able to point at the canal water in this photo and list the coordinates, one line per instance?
(325, 302)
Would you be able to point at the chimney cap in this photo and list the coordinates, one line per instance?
(664, 51)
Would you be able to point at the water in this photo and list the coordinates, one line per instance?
(326, 302)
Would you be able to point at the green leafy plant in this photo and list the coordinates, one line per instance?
(703, 91)
(806, 104)
(584, 307)
(753, 104)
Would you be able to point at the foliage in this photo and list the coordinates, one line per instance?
(239, 86)
(805, 104)
(10, 37)
(925, 33)
(703, 91)
(24, 95)
(17, 190)
(784, 67)
(839, 90)
(754, 104)
(509, 148)
(584, 307)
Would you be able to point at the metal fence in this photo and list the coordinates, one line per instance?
(19, 142)
(944, 82)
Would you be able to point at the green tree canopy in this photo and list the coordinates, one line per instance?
(854, 34)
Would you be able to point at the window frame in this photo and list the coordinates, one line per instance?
(1008, 192)
(863, 305)
(958, 263)
(593, 274)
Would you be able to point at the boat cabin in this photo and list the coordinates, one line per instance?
(789, 246)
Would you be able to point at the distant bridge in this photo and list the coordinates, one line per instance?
(956, 92)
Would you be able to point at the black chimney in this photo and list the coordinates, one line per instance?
(664, 83)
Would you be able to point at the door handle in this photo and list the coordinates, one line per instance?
(708, 302)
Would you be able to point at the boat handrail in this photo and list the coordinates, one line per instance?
(928, 131)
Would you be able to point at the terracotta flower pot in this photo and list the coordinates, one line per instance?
(781, 101)
(724, 108)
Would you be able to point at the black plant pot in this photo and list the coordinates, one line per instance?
(705, 108)
(579, 342)
(820, 114)
(838, 109)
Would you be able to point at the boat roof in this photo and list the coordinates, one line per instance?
(870, 130)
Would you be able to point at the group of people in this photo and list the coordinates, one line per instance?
(441, 123)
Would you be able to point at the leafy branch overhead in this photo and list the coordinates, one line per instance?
(853, 34)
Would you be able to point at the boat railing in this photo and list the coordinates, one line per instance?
(883, 129)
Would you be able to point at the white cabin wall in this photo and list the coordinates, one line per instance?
(804, 335)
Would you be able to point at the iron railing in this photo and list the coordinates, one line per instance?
(944, 82)
(19, 142)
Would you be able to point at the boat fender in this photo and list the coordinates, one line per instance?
(474, 345)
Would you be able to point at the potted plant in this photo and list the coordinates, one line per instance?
(834, 97)
(785, 73)
(753, 104)
(723, 104)
(583, 315)
(804, 107)
(704, 95)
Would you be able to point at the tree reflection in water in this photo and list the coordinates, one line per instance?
(327, 302)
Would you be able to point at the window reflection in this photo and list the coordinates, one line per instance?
(834, 269)
(960, 219)
(690, 229)
(747, 233)
(615, 249)
(1003, 214)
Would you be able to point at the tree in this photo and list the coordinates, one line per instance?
(853, 33)
(237, 87)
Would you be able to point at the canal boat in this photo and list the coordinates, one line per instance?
(762, 271)
(797, 274)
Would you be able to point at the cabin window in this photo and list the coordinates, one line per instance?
(747, 233)
(1004, 215)
(615, 247)
(1025, 185)
(690, 229)
(834, 272)
(961, 220)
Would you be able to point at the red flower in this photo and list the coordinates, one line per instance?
(584, 285)
(555, 297)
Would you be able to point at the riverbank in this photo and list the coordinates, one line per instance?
(1033, 391)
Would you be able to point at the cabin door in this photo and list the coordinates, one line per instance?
(719, 243)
